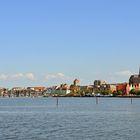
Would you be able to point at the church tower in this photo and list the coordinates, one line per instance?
(135, 79)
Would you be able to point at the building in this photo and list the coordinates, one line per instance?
(124, 88)
(76, 82)
(18, 91)
(99, 83)
(86, 90)
(135, 81)
(111, 87)
(37, 89)
(3, 91)
(61, 90)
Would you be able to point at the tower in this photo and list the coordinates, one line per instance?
(76, 82)
(135, 79)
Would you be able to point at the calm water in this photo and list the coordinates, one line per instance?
(73, 119)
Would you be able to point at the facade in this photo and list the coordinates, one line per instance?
(100, 86)
(36, 89)
(3, 91)
(61, 90)
(134, 81)
(18, 91)
(111, 87)
(17, 88)
(99, 83)
(76, 82)
(124, 87)
(86, 90)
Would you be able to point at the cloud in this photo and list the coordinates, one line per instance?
(3, 77)
(17, 76)
(57, 76)
(30, 76)
(125, 73)
(61, 75)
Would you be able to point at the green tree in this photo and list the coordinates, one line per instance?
(133, 92)
(117, 93)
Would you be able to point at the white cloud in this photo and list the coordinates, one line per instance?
(57, 76)
(119, 77)
(124, 73)
(17, 76)
(3, 77)
(30, 76)
(57, 79)
(61, 75)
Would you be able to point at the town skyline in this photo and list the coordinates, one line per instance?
(75, 89)
(51, 42)
(31, 77)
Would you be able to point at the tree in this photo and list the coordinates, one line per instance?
(133, 92)
(138, 92)
(117, 93)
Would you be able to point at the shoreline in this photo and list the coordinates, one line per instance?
(75, 97)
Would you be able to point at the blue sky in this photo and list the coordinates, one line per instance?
(47, 42)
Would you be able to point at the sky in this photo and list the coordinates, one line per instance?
(49, 42)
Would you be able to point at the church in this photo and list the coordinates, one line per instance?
(135, 80)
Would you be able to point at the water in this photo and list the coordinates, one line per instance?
(72, 119)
